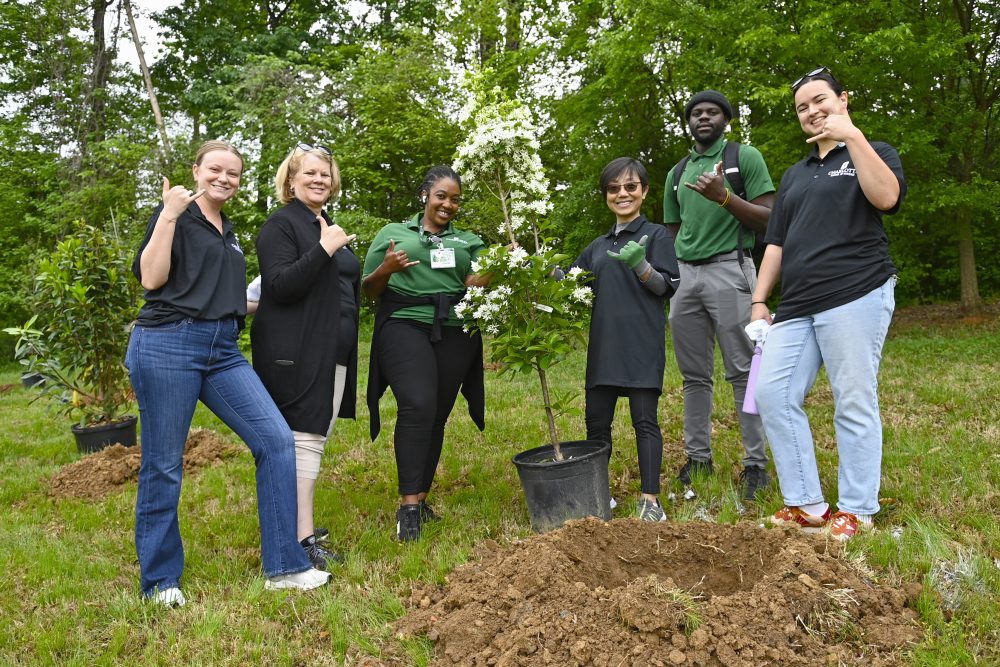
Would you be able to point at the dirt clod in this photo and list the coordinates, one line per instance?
(105, 472)
(627, 592)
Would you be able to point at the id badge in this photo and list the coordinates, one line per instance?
(443, 258)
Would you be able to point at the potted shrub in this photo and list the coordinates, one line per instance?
(83, 300)
(533, 319)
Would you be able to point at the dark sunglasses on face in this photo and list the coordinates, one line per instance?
(799, 81)
(630, 187)
(310, 147)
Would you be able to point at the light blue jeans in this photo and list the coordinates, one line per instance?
(848, 340)
(172, 367)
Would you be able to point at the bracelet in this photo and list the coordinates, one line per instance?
(756, 302)
(648, 273)
(725, 201)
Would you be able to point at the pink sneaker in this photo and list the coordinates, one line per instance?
(796, 518)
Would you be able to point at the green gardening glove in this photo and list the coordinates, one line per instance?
(633, 253)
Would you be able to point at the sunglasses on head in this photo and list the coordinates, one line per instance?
(802, 79)
(631, 186)
(318, 147)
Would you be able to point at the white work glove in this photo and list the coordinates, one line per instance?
(757, 331)
(253, 290)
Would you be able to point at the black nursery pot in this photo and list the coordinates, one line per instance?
(29, 380)
(91, 439)
(557, 491)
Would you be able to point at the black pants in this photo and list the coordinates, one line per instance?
(425, 378)
(642, 403)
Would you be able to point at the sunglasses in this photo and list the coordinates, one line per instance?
(318, 147)
(802, 79)
(630, 187)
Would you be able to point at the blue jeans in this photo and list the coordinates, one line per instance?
(172, 366)
(848, 340)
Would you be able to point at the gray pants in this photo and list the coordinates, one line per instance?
(713, 302)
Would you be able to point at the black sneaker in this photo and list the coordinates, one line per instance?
(752, 480)
(321, 559)
(693, 467)
(427, 515)
(321, 534)
(408, 523)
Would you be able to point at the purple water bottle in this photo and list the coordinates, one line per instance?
(749, 399)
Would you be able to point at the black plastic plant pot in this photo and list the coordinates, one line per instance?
(29, 380)
(557, 491)
(91, 439)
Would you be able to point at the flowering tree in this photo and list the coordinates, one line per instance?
(534, 319)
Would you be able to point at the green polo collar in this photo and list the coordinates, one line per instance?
(715, 150)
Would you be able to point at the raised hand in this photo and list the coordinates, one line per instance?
(633, 253)
(710, 185)
(396, 260)
(836, 127)
(176, 199)
(332, 237)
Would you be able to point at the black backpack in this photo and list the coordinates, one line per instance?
(731, 169)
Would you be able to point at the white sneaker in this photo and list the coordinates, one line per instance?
(171, 597)
(302, 581)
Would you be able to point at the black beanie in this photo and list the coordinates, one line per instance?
(713, 96)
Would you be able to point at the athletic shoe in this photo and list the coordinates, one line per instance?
(694, 467)
(408, 523)
(650, 510)
(796, 518)
(843, 526)
(170, 597)
(301, 581)
(427, 515)
(320, 557)
(752, 480)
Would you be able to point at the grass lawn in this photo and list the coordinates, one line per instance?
(69, 595)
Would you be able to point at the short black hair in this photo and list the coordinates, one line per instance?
(623, 165)
(435, 174)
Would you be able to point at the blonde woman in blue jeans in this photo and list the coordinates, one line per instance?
(827, 242)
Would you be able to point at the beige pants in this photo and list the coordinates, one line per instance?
(309, 446)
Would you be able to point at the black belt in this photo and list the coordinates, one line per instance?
(730, 256)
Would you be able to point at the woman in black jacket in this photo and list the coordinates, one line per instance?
(305, 334)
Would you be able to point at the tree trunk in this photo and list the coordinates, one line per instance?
(971, 301)
(157, 116)
(553, 431)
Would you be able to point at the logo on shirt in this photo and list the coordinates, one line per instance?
(236, 247)
(844, 171)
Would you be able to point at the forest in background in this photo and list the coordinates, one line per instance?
(381, 83)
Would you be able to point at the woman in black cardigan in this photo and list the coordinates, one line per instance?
(304, 336)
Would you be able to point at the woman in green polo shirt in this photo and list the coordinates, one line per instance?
(418, 270)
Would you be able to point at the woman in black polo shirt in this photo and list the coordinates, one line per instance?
(635, 273)
(184, 349)
(826, 240)
(419, 269)
(305, 332)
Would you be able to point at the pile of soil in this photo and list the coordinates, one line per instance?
(105, 472)
(627, 592)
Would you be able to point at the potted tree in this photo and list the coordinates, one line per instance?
(83, 302)
(533, 319)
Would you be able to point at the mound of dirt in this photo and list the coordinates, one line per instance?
(627, 592)
(105, 472)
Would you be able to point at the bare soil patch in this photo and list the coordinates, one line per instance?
(105, 472)
(627, 592)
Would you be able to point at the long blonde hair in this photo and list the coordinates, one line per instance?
(291, 166)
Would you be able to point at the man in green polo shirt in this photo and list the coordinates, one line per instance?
(717, 279)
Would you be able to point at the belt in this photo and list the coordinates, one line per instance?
(732, 255)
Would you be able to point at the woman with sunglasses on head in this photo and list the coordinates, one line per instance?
(304, 335)
(184, 349)
(635, 273)
(827, 243)
(418, 270)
